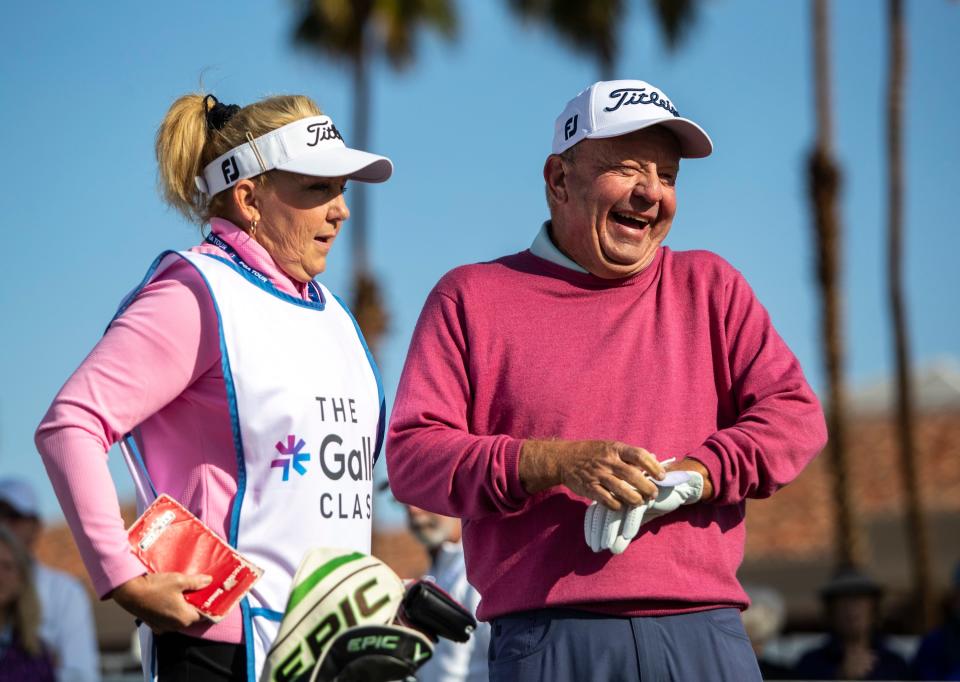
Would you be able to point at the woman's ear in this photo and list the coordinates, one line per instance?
(246, 201)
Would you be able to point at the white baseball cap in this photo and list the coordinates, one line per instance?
(612, 108)
(311, 146)
(19, 494)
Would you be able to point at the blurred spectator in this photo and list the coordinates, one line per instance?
(855, 650)
(66, 624)
(22, 654)
(938, 657)
(763, 622)
(451, 662)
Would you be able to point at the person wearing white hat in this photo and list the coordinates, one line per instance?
(66, 619)
(233, 380)
(597, 409)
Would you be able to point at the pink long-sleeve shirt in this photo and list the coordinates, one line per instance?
(157, 367)
(680, 359)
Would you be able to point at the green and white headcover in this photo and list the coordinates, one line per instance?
(333, 589)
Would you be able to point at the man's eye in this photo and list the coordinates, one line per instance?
(328, 187)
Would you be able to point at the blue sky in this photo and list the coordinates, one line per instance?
(84, 87)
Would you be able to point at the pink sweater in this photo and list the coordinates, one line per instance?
(158, 366)
(680, 359)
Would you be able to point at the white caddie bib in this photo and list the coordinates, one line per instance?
(306, 408)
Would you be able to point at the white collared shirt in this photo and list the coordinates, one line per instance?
(543, 247)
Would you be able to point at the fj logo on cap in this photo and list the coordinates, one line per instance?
(570, 127)
(323, 131)
(230, 171)
(628, 96)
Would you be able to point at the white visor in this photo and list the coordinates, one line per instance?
(311, 146)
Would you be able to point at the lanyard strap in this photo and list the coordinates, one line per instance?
(312, 289)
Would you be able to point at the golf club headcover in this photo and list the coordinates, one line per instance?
(429, 609)
(373, 653)
(333, 591)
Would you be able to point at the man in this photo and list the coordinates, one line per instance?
(452, 661)
(67, 626)
(563, 375)
(855, 650)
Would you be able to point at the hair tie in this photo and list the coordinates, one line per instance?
(219, 113)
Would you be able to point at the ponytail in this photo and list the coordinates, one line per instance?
(197, 129)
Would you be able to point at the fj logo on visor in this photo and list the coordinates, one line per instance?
(230, 171)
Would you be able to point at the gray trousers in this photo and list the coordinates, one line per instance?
(565, 645)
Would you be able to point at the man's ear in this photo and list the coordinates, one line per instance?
(245, 200)
(555, 177)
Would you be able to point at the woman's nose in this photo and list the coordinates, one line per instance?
(342, 211)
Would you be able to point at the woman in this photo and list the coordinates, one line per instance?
(22, 656)
(246, 385)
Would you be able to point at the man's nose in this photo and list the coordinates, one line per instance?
(649, 188)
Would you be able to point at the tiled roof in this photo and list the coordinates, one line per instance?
(798, 521)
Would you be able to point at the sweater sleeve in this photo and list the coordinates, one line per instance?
(159, 346)
(779, 425)
(434, 460)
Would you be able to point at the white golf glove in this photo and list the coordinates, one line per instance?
(613, 530)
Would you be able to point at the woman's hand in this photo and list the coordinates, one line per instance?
(157, 599)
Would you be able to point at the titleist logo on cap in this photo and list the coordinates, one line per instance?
(628, 96)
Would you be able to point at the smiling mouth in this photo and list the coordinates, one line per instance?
(324, 240)
(632, 221)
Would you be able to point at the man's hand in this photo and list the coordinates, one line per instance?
(677, 488)
(157, 599)
(690, 464)
(609, 472)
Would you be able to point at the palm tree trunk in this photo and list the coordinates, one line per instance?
(606, 68)
(361, 135)
(367, 304)
(824, 185)
(916, 523)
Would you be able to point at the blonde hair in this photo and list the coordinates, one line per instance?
(24, 612)
(186, 144)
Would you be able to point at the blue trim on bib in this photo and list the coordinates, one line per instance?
(128, 299)
(231, 404)
(227, 378)
(269, 288)
(381, 422)
(124, 304)
(269, 614)
(248, 639)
